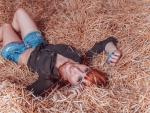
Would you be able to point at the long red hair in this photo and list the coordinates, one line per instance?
(94, 76)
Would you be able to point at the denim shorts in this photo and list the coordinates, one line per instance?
(13, 50)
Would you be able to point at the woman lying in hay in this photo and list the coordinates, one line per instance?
(55, 64)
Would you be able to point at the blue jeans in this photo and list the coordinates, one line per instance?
(13, 50)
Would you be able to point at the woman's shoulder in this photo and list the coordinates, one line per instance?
(61, 48)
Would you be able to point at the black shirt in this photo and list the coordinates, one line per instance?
(43, 58)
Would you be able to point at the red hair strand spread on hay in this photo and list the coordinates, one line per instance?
(96, 77)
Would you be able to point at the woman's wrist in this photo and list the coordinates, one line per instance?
(110, 47)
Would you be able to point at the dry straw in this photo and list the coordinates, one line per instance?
(81, 23)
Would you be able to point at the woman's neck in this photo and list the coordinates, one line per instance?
(60, 60)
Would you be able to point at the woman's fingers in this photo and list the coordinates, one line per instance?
(113, 58)
(111, 63)
(75, 91)
(117, 53)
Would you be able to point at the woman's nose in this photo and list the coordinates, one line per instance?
(76, 70)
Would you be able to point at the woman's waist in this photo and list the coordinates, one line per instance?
(24, 57)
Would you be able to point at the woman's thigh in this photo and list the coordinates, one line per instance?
(23, 23)
(9, 35)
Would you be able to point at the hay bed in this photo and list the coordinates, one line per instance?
(81, 23)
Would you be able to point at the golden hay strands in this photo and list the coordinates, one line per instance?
(81, 23)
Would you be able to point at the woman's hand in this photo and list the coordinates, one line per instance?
(114, 55)
(75, 91)
(113, 58)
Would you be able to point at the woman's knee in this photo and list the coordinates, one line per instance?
(6, 26)
(19, 12)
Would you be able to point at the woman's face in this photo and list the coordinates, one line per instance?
(74, 73)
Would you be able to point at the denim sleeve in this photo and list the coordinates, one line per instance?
(100, 47)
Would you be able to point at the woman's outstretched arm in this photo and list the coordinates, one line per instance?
(108, 45)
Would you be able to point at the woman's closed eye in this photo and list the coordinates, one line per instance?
(79, 80)
(86, 70)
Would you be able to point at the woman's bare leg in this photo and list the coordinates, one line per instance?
(23, 23)
(8, 35)
(1, 38)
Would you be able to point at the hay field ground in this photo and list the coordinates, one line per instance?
(81, 23)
